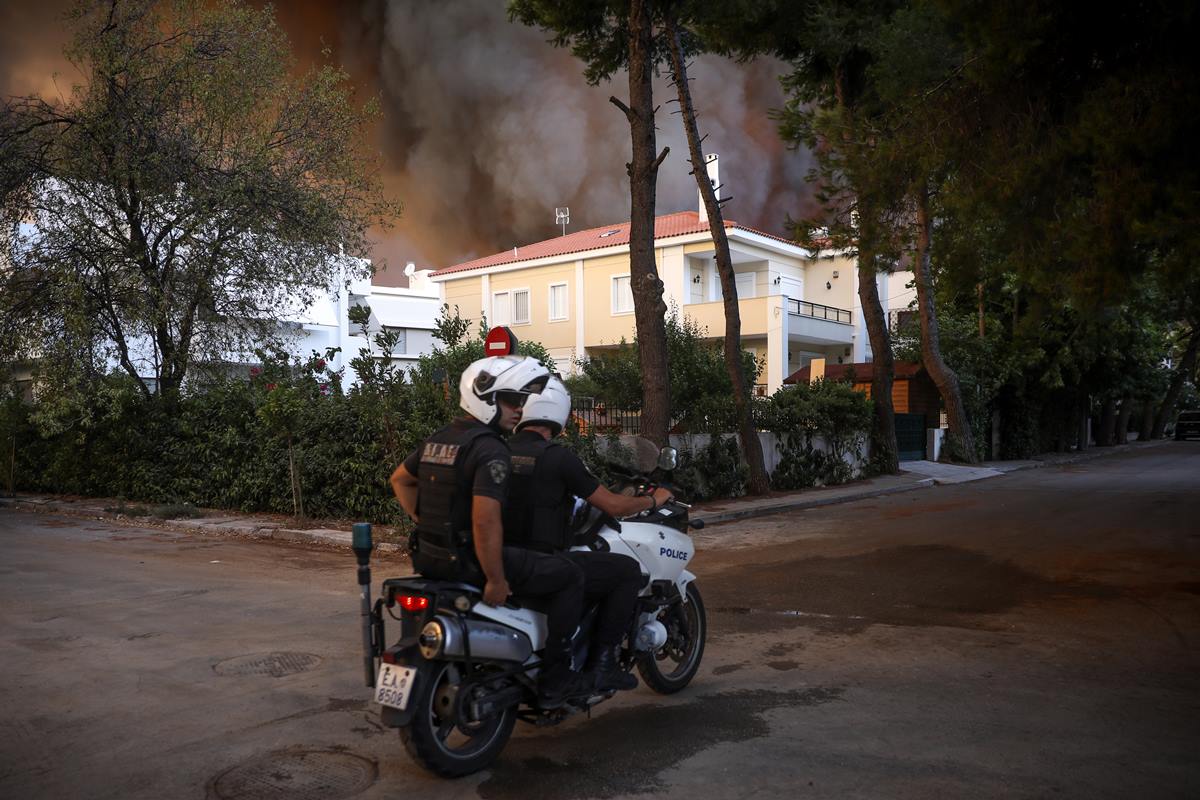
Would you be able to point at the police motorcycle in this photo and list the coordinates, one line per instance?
(458, 674)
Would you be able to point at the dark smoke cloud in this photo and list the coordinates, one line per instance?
(490, 128)
(487, 128)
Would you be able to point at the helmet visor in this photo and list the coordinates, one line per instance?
(512, 399)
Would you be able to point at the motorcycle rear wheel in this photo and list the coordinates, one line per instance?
(672, 667)
(440, 739)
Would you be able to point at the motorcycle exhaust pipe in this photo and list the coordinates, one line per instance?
(442, 637)
(360, 542)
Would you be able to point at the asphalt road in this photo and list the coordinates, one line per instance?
(1033, 635)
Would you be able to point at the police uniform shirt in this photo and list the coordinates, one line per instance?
(564, 472)
(487, 462)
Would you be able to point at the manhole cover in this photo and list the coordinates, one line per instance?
(297, 775)
(274, 664)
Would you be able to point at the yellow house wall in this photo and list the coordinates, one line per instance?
(552, 335)
(761, 315)
(464, 293)
(753, 313)
(600, 326)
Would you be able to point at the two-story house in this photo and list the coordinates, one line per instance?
(572, 294)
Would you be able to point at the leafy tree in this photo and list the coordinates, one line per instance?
(833, 108)
(607, 36)
(187, 193)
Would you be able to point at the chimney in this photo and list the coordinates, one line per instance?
(711, 164)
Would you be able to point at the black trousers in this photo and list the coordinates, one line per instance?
(613, 581)
(558, 579)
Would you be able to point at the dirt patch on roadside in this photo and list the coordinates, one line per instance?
(920, 585)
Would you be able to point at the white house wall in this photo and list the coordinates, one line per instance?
(901, 293)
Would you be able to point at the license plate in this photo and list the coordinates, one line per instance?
(393, 685)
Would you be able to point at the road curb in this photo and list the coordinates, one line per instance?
(257, 529)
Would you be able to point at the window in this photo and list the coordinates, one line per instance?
(501, 309)
(558, 301)
(622, 296)
(520, 306)
(401, 345)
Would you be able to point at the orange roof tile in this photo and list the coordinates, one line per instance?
(679, 224)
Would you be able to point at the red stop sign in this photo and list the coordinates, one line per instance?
(500, 341)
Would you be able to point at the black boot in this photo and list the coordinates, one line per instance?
(606, 673)
(557, 682)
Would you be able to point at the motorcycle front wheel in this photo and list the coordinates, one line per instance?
(673, 666)
(441, 737)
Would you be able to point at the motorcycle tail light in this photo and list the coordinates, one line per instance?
(413, 603)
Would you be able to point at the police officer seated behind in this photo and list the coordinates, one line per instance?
(546, 478)
(454, 487)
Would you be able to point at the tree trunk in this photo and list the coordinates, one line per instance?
(1106, 431)
(648, 307)
(1186, 367)
(1121, 432)
(758, 483)
(931, 346)
(1083, 412)
(1147, 426)
(884, 451)
(1061, 442)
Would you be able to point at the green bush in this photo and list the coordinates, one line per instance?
(831, 411)
(715, 470)
(289, 434)
(232, 442)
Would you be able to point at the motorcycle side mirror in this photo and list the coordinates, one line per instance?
(668, 458)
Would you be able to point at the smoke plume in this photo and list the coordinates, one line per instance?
(487, 127)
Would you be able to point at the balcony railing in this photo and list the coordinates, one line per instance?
(803, 308)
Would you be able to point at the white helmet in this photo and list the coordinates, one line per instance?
(551, 407)
(483, 379)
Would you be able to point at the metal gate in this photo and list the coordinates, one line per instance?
(910, 436)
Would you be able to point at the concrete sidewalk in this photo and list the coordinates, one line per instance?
(914, 475)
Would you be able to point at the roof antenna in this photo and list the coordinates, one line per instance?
(562, 216)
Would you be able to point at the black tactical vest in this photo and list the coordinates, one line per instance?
(539, 506)
(443, 546)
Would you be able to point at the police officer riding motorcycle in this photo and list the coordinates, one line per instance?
(454, 486)
(468, 664)
(547, 477)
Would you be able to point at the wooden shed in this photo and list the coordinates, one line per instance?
(915, 399)
(913, 391)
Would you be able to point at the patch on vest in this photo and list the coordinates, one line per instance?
(499, 471)
(437, 453)
(523, 465)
